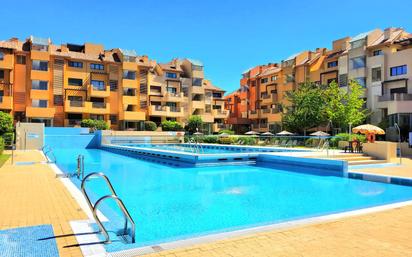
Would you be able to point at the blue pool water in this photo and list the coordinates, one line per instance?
(210, 149)
(169, 203)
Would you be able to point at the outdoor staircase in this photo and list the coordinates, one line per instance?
(357, 159)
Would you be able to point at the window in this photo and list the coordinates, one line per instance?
(329, 81)
(58, 100)
(98, 85)
(273, 78)
(197, 82)
(21, 59)
(113, 85)
(1, 74)
(264, 80)
(217, 95)
(197, 67)
(113, 119)
(172, 90)
(1, 56)
(377, 52)
(332, 64)
(399, 70)
(75, 82)
(75, 64)
(96, 66)
(40, 65)
(39, 84)
(358, 43)
(343, 80)
(358, 62)
(361, 81)
(39, 103)
(127, 74)
(376, 74)
(171, 75)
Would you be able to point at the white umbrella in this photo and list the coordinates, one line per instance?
(320, 134)
(224, 135)
(284, 133)
(198, 133)
(252, 133)
(267, 134)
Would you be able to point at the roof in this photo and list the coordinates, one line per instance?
(195, 62)
(55, 50)
(39, 41)
(270, 70)
(293, 56)
(209, 86)
(9, 45)
(360, 36)
(171, 66)
(128, 52)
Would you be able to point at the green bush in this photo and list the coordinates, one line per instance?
(1, 145)
(6, 123)
(194, 123)
(225, 140)
(8, 138)
(248, 140)
(345, 137)
(150, 126)
(227, 131)
(171, 126)
(94, 124)
(210, 139)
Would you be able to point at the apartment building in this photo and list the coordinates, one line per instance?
(60, 85)
(378, 60)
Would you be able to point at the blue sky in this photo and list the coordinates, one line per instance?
(228, 36)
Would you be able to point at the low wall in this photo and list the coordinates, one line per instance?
(140, 137)
(29, 135)
(65, 138)
(380, 149)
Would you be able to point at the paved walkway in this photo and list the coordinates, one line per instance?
(31, 195)
(404, 170)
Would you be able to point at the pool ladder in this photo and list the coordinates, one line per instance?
(195, 146)
(46, 149)
(113, 196)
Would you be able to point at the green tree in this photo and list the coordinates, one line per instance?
(6, 123)
(150, 126)
(355, 112)
(307, 108)
(94, 124)
(334, 108)
(194, 123)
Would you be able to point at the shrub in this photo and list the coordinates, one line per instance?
(195, 122)
(227, 131)
(94, 124)
(8, 138)
(345, 137)
(248, 140)
(6, 123)
(1, 145)
(171, 126)
(150, 126)
(225, 140)
(210, 139)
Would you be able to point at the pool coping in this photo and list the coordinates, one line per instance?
(98, 250)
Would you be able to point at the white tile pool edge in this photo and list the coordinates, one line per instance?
(98, 250)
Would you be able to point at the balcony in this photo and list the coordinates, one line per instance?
(128, 99)
(39, 75)
(198, 104)
(72, 122)
(98, 108)
(157, 110)
(7, 62)
(129, 66)
(168, 111)
(198, 90)
(75, 106)
(222, 114)
(98, 91)
(219, 126)
(269, 98)
(6, 102)
(175, 111)
(173, 97)
(39, 94)
(132, 115)
(40, 55)
(130, 83)
(207, 117)
(253, 114)
(395, 97)
(263, 127)
(39, 112)
(395, 103)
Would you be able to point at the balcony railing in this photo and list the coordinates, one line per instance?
(253, 112)
(265, 110)
(76, 104)
(98, 105)
(174, 109)
(395, 97)
(73, 122)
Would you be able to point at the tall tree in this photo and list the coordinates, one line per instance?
(355, 112)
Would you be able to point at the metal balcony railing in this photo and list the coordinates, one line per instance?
(76, 104)
(395, 97)
(98, 105)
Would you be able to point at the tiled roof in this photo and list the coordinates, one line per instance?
(171, 66)
(270, 70)
(292, 57)
(209, 86)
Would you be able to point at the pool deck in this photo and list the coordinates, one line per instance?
(31, 195)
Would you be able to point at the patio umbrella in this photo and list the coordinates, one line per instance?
(369, 130)
(320, 134)
(224, 135)
(252, 133)
(267, 134)
(284, 133)
(198, 133)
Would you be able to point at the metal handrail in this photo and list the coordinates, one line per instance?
(113, 196)
(47, 149)
(80, 166)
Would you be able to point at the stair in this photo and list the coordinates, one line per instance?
(355, 159)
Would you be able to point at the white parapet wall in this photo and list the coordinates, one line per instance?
(380, 149)
(141, 137)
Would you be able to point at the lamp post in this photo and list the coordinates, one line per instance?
(350, 131)
(399, 143)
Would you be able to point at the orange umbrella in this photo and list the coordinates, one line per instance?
(368, 129)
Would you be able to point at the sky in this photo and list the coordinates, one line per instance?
(228, 36)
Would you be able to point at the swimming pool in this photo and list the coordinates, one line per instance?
(169, 203)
